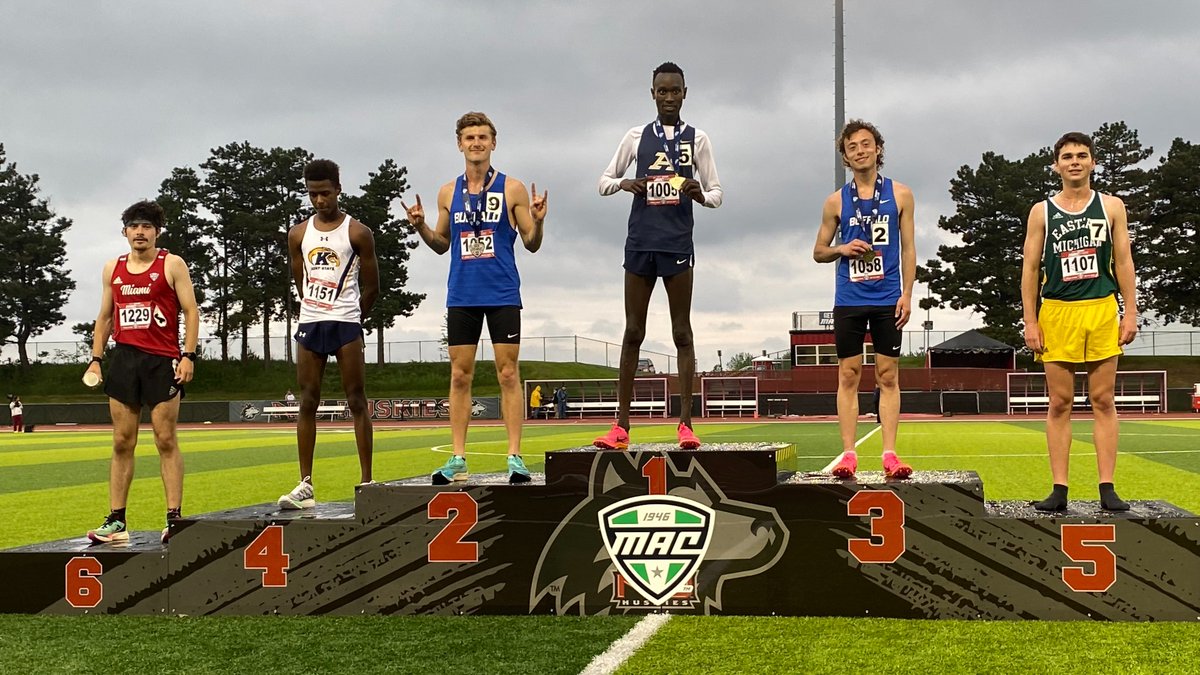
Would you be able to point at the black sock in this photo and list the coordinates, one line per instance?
(118, 514)
(1057, 501)
(1109, 501)
(173, 514)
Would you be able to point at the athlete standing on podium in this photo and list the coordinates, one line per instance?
(1077, 258)
(674, 168)
(876, 266)
(143, 293)
(337, 275)
(480, 215)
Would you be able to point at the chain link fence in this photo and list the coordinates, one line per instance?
(559, 348)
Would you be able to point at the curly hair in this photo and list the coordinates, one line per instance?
(323, 169)
(147, 210)
(850, 129)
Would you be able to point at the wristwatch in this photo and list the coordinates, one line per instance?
(191, 356)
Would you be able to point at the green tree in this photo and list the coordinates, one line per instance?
(86, 330)
(1119, 152)
(253, 194)
(34, 283)
(187, 234)
(983, 273)
(1169, 262)
(740, 360)
(393, 247)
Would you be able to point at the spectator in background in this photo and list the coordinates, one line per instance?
(535, 401)
(289, 399)
(17, 411)
(560, 400)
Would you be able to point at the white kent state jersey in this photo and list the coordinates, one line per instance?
(330, 275)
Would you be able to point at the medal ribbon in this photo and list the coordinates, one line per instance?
(662, 137)
(863, 224)
(474, 210)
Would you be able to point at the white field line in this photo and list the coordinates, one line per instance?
(620, 651)
(829, 466)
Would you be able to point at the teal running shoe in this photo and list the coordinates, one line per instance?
(455, 469)
(517, 472)
(112, 530)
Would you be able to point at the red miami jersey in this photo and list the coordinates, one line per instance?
(145, 308)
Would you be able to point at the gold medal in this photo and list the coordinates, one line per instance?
(869, 255)
(676, 182)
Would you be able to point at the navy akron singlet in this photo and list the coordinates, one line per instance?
(876, 281)
(483, 265)
(661, 220)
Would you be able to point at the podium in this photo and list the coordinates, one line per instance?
(726, 529)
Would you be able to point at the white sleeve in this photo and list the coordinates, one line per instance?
(610, 180)
(706, 171)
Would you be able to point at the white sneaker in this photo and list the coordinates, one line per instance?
(299, 498)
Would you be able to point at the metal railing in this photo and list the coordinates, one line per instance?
(557, 348)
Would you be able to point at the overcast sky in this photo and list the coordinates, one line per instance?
(103, 99)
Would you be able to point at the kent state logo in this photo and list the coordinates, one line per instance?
(657, 542)
(323, 257)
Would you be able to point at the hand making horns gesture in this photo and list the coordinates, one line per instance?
(538, 206)
(416, 214)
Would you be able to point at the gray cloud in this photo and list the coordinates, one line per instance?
(102, 100)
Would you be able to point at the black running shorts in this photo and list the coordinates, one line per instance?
(137, 378)
(464, 325)
(850, 326)
(656, 264)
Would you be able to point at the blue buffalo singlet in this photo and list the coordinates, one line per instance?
(483, 264)
(875, 281)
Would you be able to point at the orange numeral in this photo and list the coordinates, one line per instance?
(887, 525)
(1084, 544)
(448, 545)
(266, 553)
(655, 471)
(84, 589)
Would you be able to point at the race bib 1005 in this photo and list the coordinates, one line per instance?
(660, 192)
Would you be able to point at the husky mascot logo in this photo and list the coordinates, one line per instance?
(657, 542)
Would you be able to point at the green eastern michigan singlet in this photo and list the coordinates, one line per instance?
(1077, 257)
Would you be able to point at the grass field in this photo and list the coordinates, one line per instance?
(53, 485)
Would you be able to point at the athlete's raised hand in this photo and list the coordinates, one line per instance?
(854, 248)
(416, 214)
(538, 204)
(635, 185)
